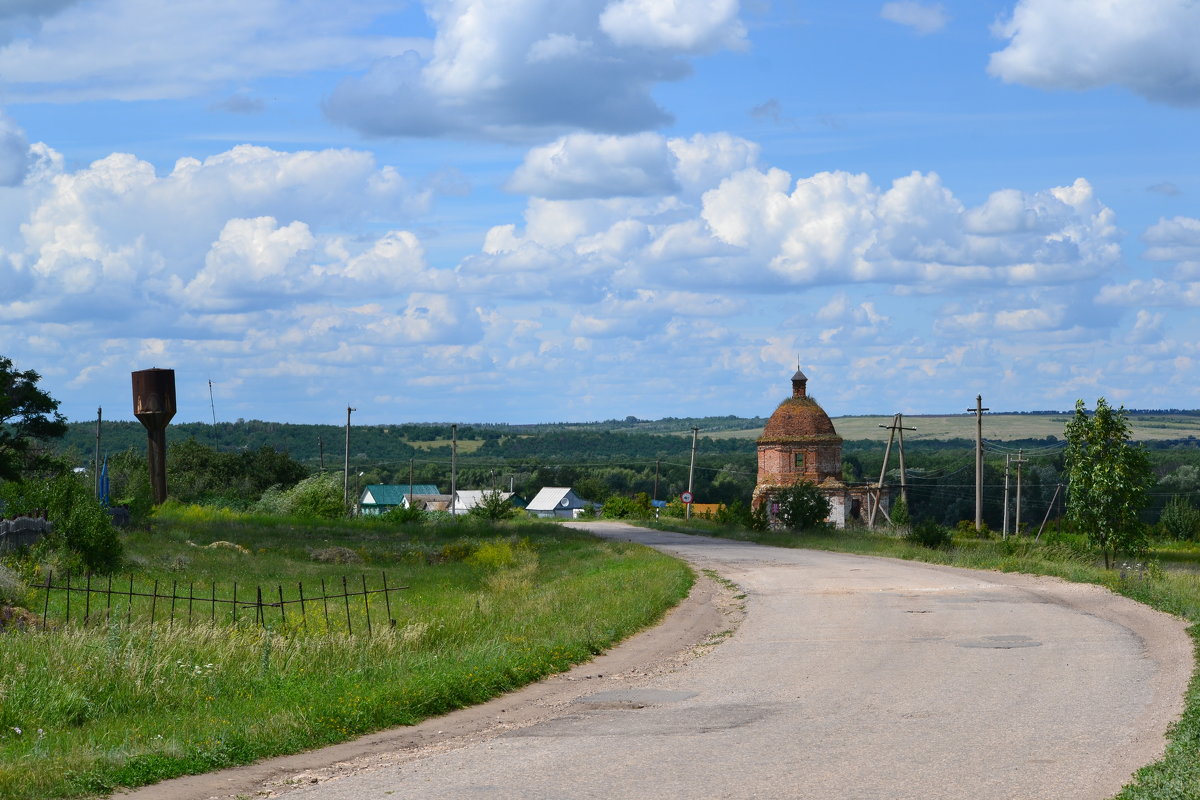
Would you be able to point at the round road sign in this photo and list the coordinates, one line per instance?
(686, 497)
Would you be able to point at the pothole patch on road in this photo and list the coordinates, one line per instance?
(1005, 642)
(669, 721)
(633, 698)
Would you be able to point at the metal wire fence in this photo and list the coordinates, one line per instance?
(90, 601)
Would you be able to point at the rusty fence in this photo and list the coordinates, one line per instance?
(90, 601)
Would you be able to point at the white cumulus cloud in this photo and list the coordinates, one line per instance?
(688, 26)
(586, 165)
(236, 231)
(758, 230)
(527, 68)
(1146, 46)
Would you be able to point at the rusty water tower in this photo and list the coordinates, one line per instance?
(154, 405)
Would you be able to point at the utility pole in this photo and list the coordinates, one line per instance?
(410, 480)
(691, 473)
(453, 466)
(897, 428)
(321, 450)
(211, 404)
(1049, 508)
(346, 465)
(1004, 525)
(96, 472)
(887, 454)
(1018, 461)
(978, 412)
(657, 464)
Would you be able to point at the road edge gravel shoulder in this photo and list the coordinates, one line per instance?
(711, 612)
(703, 619)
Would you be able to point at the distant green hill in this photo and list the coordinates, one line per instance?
(584, 441)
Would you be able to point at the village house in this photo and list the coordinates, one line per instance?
(467, 499)
(554, 501)
(379, 498)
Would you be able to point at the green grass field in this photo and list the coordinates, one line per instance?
(1004, 427)
(488, 608)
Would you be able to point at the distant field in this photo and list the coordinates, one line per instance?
(464, 445)
(1005, 427)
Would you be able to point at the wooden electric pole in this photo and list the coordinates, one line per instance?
(898, 429)
(1004, 522)
(96, 472)
(1017, 525)
(346, 463)
(691, 473)
(453, 466)
(978, 412)
(876, 506)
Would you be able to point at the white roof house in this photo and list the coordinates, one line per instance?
(556, 501)
(469, 498)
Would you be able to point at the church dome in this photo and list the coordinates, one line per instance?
(798, 419)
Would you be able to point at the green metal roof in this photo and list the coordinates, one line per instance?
(389, 494)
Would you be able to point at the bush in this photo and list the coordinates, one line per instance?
(738, 513)
(493, 506)
(492, 555)
(12, 588)
(618, 507)
(929, 534)
(315, 497)
(802, 506)
(899, 515)
(83, 536)
(966, 527)
(1180, 519)
(406, 515)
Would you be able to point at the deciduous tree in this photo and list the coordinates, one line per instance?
(1108, 480)
(26, 414)
(802, 505)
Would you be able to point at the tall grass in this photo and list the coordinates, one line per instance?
(87, 710)
(1177, 775)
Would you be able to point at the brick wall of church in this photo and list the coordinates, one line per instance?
(777, 463)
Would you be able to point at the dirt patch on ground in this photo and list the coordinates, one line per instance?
(707, 617)
(19, 619)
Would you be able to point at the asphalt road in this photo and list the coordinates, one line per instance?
(849, 678)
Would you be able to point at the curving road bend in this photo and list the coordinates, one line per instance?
(849, 678)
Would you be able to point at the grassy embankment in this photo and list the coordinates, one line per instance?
(1177, 775)
(487, 609)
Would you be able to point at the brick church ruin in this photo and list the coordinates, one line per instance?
(799, 443)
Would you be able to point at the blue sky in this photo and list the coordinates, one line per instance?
(538, 210)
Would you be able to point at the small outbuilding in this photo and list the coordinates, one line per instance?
(556, 501)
